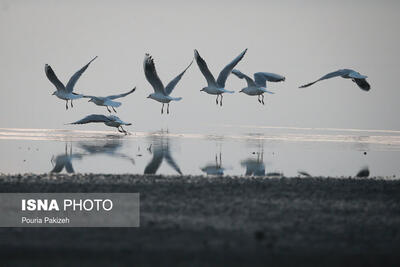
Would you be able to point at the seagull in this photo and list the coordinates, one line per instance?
(107, 101)
(66, 92)
(160, 152)
(355, 76)
(258, 86)
(217, 87)
(112, 121)
(161, 93)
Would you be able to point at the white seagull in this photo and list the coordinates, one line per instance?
(258, 86)
(112, 121)
(65, 92)
(216, 87)
(355, 76)
(107, 101)
(161, 93)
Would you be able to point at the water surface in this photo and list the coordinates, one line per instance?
(235, 150)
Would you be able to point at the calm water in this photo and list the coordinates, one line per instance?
(268, 151)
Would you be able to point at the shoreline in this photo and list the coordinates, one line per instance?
(225, 220)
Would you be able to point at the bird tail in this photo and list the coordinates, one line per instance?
(230, 92)
(128, 124)
(177, 98)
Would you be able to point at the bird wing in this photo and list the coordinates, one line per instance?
(223, 75)
(240, 75)
(171, 85)
(151, 75)
(71, 83)
(121, 95)
(53, 78)
(363, 84)
(337, 73)
(356, 75)
(92, 118)
(155, 162)
(261, 78)
(204, 69)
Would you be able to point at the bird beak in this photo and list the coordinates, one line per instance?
(90, 100)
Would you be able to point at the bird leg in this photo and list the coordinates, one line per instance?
(220, 101)
(71, 104)
(168, 108)
(108, 109)
(114, 109)
(216, 100)
(124, 131)
(262, 99)
(162, 108)
(66, 104)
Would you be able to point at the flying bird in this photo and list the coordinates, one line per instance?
(107, 101)
(66, 92)
(217, 87)
(258, 86)
(161, 93)
(355, 76)
(111, 120)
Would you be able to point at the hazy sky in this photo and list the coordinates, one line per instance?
(302, 40)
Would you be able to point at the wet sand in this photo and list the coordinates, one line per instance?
(203, 221)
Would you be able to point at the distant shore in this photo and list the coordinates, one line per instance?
(232, 221)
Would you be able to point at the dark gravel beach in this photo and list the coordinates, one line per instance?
(227, 221)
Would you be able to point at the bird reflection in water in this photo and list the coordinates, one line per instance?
(160, 149)
(255, 167)
(105, 147)
(363, 173)
(214, 169)
(303, 174)
(64, 160)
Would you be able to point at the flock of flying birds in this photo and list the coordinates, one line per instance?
(255, 87)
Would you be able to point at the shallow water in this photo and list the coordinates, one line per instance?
(266, 151)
